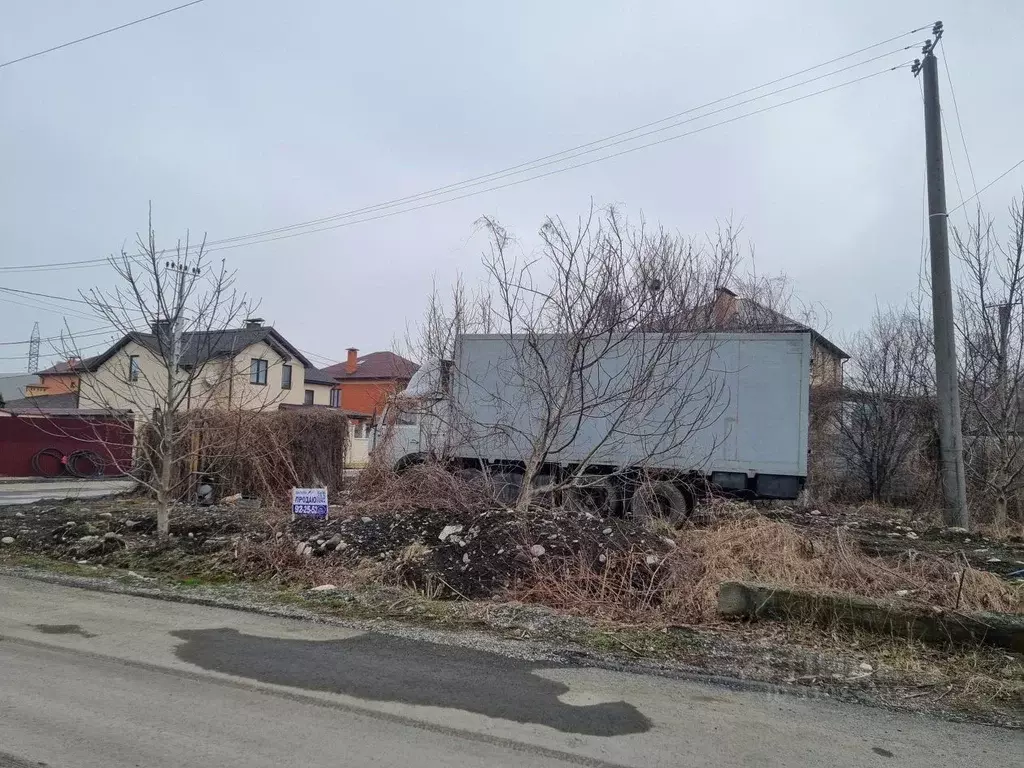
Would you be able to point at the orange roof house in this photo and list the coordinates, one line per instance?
(366, 382)
(59, 379)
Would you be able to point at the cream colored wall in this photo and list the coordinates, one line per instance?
(219, 384)
(109, 386)
(255, 396)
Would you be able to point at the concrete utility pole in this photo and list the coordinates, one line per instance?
(947, 384)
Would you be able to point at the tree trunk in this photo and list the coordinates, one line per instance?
(999, 520)
(163, 491)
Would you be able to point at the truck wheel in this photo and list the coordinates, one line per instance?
(507, 486)
(595, 494)
(542, 498)
(473, 477)
(661, 499)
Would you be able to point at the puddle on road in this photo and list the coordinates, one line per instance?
(61, 629)
(387, 668)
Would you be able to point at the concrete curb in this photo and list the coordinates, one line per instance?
(888, 617)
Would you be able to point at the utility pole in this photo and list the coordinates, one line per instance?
(33, 349)
(947, 384)
(1004, 340)
(176, 321)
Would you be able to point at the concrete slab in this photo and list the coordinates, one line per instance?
(30, 490)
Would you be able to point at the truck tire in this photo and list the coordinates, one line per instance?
(410, 460)
(661, 499)
(507, 486)
(473, 477)
(542, 498)
(596, 495)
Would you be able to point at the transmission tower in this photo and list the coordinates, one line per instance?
(33, 349)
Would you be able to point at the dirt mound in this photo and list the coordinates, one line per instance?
(473, 554)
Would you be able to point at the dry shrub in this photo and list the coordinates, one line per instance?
(420, 486)
(683, 586)
(626, 586)
(261, 454)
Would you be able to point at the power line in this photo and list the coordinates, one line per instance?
(592, 146)
(561, 170)
(43, 295)
(79, 264)
(526, 167)
(63, 336)
(960, 125)
(1002, 175)
(51, 355)
(99, 34)
(59, 311)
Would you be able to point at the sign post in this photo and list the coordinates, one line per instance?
(309, 502)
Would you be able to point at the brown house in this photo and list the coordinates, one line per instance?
(733, 312)
(365, 382)
(59, 379)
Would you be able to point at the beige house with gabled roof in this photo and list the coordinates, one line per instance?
(250, 368)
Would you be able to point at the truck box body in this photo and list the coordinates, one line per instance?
(716, 402)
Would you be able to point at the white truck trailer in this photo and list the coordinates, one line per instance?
(678, 415)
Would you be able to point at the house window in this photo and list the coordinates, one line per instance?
(335, 398)
(133, 368)
(286, 377)
(258, 372)
(309, 397)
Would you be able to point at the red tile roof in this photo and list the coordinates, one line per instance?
(376, 365)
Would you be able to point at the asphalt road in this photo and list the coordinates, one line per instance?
(90, 679)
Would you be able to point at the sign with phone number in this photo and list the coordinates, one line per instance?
(309, 502)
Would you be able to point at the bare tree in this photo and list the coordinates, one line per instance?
(601, 332)
(172, 310)
(883, 415)
(990, 327)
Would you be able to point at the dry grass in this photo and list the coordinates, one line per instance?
(764, 550)
(422, 486)
(683, 586)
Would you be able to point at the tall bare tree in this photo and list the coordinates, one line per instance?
(990, 326)
(601, 332)
(883, 415)
(171, 309)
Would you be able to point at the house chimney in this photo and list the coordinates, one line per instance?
(723, 311)
(352, 363)
(254, 322)
(162, 328)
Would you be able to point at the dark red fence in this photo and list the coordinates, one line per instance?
(22, 436)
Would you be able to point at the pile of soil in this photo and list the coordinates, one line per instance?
(448, 553)
(475, 554)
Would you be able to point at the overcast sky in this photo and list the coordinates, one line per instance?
(235, 117)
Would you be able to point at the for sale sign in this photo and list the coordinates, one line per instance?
(309, 502)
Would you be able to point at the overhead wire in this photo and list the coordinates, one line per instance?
(99, 34)
(63, 311)
(82, 335)
(959, 122)
(559, 170)
(309, 227)
(981, 191)
(588, 148)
